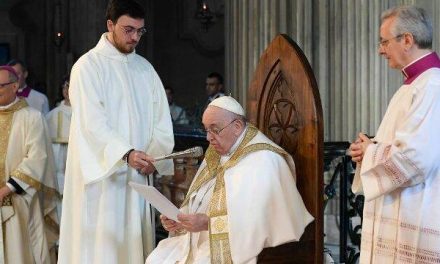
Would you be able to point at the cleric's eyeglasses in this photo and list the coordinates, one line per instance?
(129, 31)
(2, 85)
(384, 42)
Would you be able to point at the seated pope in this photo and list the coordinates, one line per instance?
(242, 199)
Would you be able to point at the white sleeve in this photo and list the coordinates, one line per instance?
(414, 152)
(101, 147)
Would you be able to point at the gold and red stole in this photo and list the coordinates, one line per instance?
(217, 210)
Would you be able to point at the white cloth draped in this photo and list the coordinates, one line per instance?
(118, 103)
(400, 177)
(264, 207)
(58, 121)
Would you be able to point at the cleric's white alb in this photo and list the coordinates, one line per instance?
(400, 175)
(118, 104)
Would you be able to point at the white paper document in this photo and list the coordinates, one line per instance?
(156, 199)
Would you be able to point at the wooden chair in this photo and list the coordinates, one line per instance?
(284, 103)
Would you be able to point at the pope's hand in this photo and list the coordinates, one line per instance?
(194, 222)
(169, 224)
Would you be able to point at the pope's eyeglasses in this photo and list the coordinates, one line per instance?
(216, 131)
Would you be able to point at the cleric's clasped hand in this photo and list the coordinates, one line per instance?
(359, 147)
(140, 161)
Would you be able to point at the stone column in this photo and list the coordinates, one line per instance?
(251, 25)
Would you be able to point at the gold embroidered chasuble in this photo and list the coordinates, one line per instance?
(217, 212)
(6, 119)
(24, 156)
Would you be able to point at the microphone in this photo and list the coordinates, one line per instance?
(194, 152)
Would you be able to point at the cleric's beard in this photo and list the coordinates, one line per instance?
(120, 46)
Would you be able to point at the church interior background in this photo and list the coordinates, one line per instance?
(339, 38)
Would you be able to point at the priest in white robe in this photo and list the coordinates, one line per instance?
(399, 171)
(120, 121)
(33, 97)
(178, 114)
(243, 197)
(27, 190)
(58, 120)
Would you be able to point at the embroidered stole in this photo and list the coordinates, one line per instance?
(6, 117)
(217, 210)
(6, 208)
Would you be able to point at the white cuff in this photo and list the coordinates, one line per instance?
(11, 187)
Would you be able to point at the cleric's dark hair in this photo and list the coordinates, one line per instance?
(118, 8)
(216, 75)
(14, 62)
(167, 87)
(66, 79)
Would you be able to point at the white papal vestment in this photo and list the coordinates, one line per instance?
(118, 103)
(264, 207)
(400, 177)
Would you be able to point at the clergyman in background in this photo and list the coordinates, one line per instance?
(33, 97)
